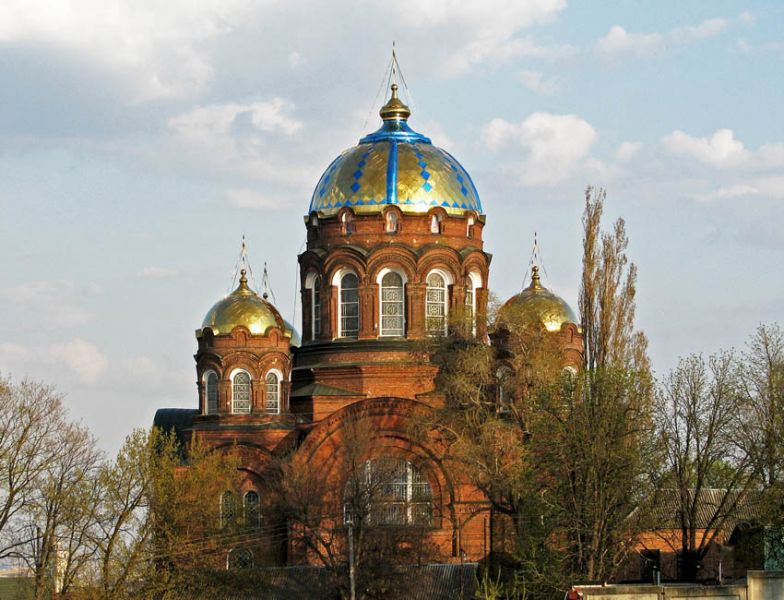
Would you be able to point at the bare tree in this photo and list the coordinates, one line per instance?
(607, 294)
(389, 535)
(699, 418)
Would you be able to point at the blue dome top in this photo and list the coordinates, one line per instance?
(395, 166)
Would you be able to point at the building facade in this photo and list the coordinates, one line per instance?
(395, 256)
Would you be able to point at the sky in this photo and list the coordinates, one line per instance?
(139, 140)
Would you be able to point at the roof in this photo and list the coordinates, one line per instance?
(428, 582)
(321, 389)
(732, 505)
(395, 166)
(178, 419)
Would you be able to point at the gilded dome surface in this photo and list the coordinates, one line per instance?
(537, 304)
(395, 166)
(246, 308)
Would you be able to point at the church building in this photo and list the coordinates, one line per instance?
(394, 251)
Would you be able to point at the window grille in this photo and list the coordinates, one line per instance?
(469, 307)
(436, 305)
(212, 393)
(239, 558)
(272, 401)
(390, 492)
(392, 305)
(228, 509)
(316, 307)
(241, 394)
(349, 306)
(251, 507)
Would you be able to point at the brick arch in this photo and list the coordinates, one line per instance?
(391, 256)
(241, 359)
(445, 259)
(388, 418)
(344, 258)
(253, 458)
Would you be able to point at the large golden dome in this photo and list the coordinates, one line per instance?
(536, 304)
(395, 166)
(244, 307)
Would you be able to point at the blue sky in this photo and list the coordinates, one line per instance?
(140, 140)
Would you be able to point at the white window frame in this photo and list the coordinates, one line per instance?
(337, 281)
(313, 283)
(474, 282)
(234, 410)
(448, 280)
(267, 408)
(381, 302)
(206, 384)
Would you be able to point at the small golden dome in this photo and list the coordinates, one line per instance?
(537, 304)
(243, 307)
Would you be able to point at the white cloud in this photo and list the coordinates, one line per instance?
(52, 302)
(747, 18)
(250, 139)
(618, 41)
(769, 187)
(554, 144)
(157, 273)
(490, 29)
(246, 198)
(538, 83)
(706, 29)
(627, 151)
(204, 122)
(295, 59)
(161, 47)
(82, 357)
(141, 366)
(719, 150)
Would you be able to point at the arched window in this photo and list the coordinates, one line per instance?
(390, 221)
(393, 305)
(316, 304)
(389, 492)
(473, 281)
(240, 393)
(349, 306)
(228, 509)
(435, 223)
(272, 388)
(505, 377)
(470, 227)
(211, 392)
(239, 558)
(346, 223)
(436, 301)
(251, 509)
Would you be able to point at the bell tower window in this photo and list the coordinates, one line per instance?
(211, 392)
(349, 306)
(272, 388)
(241, 393)
(436, 304)
(393, 308)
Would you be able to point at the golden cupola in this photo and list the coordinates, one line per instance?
(536, 305)
(395, 166)
(244, 308)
